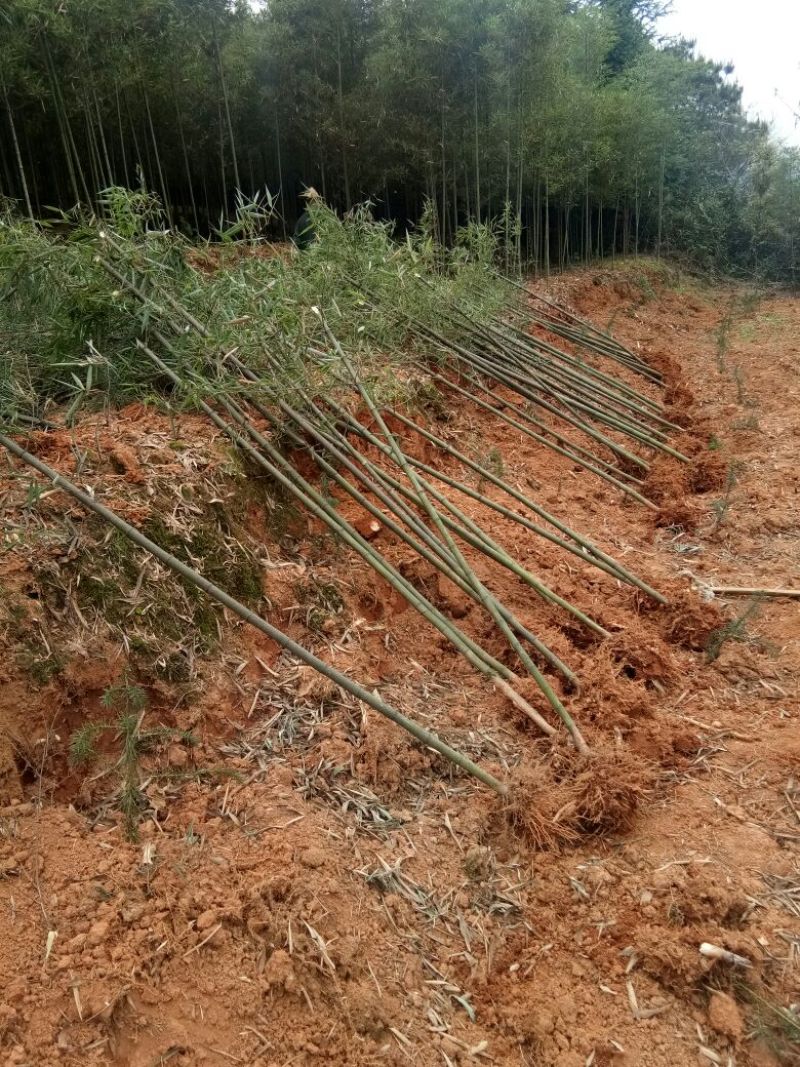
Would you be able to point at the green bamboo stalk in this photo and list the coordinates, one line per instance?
(501, 676)
(201, 329)
(479, 539)
(435, 556)
(570, 445)
(490, 332)
(282, 471)
(537, 509)
(522, 383)
(623, 353)
(581, 548)
(582, 383)
(484, 366)
(515, 381)
(538, 344)
(540, 439)
(576, 400)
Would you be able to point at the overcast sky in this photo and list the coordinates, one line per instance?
(762, 40)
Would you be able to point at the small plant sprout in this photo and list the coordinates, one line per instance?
(130, 741)
(734, 630)
(722, 505)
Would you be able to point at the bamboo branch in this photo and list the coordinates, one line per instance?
(735, 590)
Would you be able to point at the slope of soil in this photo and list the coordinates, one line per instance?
(308, 884)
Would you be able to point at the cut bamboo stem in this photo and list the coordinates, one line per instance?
(429, 547)
(278, 467)
(624, 574)
(317, 504)
(486, 598)
(541, 439)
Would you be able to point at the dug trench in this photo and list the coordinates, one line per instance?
(308, 884)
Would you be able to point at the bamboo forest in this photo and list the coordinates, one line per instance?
(572, 123)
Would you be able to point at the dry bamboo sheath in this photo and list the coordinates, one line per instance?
(736, 590)
(372, 699)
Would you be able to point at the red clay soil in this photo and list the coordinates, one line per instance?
(310, 885)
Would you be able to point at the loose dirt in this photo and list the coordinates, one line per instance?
(308, 884)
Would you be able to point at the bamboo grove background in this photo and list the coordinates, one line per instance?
(567, 121)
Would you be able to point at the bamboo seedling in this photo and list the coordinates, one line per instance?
(278, 467)
(130, 703)
(193, 322)
(521, 385)
(521, 346)
(590, 334)
(518, 379)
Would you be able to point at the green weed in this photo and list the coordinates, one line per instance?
(734, 630)
(722, 505)
(132, 741)
(778, 1027)
(723, 339)
(42, 669)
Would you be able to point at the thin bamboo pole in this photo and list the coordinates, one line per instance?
(537, 510)
(280, 469)
(303, 490)
(566, 442)
(517, 382)
(428, 547)
(472, 533)
(540, 439)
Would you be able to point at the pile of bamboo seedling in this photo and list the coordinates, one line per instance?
(596, 420)
(610, 417)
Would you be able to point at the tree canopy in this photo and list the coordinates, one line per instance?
(568, 120)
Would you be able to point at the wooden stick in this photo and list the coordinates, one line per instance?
(735, 590)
